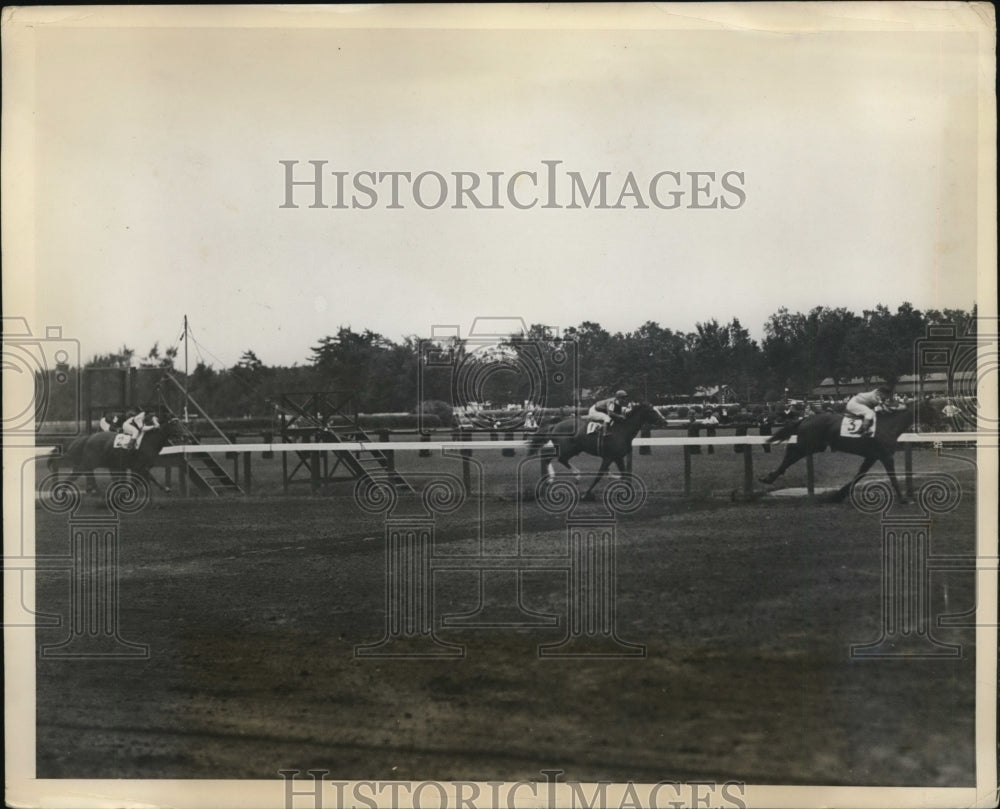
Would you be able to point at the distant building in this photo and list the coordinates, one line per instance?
(718, 394)
(935, 384)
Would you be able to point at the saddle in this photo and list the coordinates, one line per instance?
(850, 427)
(122, 441)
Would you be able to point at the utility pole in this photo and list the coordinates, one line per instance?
(185, 369)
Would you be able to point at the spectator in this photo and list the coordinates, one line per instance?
(951, 413)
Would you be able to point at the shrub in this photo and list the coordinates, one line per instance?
(443, 410)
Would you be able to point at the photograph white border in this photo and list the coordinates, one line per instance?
(20, 201)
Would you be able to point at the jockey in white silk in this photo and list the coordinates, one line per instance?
(864, 404)
(138, 425)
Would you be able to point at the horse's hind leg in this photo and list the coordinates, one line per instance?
(600, 474)
(68, 477)
(565, 461)
(793, 454)
(550, 469)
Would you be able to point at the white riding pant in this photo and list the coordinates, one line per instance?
(597, 415)
(857, 409)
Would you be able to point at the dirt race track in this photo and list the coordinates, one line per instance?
(252, 609)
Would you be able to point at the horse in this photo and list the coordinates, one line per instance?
(817, 432)
(570, 439)
(97, 451)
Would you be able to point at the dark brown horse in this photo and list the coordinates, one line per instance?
(570, 438)
(97, 451)
(818, 432)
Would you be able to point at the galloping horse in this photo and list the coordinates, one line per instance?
(97, 451)
(570, 440)
(816, 433)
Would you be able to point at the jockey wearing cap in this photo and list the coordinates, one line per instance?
(138, 425)
(864, 404)
(111, 422)
(607, 411)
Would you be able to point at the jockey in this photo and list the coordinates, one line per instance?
(111, 422)
(864, 404)
(607, 411)
(139, 424)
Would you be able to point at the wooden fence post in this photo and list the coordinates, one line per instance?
(741, 448)
(693, 432)
(747, 471)
(467, 466)
(747, 451)
(765, 429)
(314, 470)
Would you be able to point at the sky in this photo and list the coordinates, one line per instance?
(155, 187)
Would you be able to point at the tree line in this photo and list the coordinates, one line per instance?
(798, 351)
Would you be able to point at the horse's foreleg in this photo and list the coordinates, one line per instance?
(890, 467)
(600, 474)
(148, 476)
(619, 462)
(866, 464)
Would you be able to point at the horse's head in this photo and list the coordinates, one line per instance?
(159, 437)
(644, 413)
(894, 406)
(926, 416)
(170, 427)
(903, 416)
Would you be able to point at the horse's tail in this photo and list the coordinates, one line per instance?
(786, 432)
(537, 441)
(66, 455)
